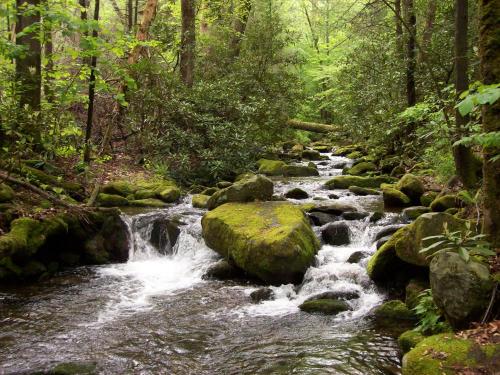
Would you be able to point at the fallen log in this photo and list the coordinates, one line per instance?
(311, 126)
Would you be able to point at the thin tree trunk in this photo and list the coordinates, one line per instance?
(490, 68)
(464, 158)
(188, 41)
(130, 19)
(29, 65)
(411, 63)
(90, 112)
(399, 28)
(239, 26)
(49, 67)
(429, 27)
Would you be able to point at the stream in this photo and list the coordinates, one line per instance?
(156, 314)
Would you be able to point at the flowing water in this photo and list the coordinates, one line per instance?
(156, 314)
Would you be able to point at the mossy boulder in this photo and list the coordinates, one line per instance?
(361, 191)
(296, 193)
(389, 163)
(271, 167)
(445, 202)
(121, 188)
(394, 198)
(361, 168)
(412, 213)
(253, 188)
(299, 171)
(412, 186)
(169, 194)
(200, 200)
(344, 182)
(394, 310)
(48, 179)
(355, 155)
(6, 193)
(428, 197)
(209, 191)
(272, 241)
(143, 194)
(345, 150)
(151, 202)
(462, 290)
(430, 224)
(446, 354)
(111, 200)
(311, 155)
(409, 339)
(325, 306)
(74, 368)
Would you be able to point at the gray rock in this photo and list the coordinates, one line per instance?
(297, 193)
(334, 295)
(320, 218)
(336, 234)
(388, 230)
(223, 270)
(262, 294)
(357, 257)
(355, 215)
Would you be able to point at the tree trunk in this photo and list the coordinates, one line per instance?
(311, 126)
(130, 15)
(411, 63)
(399, 28)
(188, 41)
(90, 111)
(429, 27)
(239, 26)
(49, 66)
(489, 51)
(465, 162)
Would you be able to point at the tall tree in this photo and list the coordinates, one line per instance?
(411, 45)
(239, 25)
(465, 161)
(489, 51)
(188, 41)
(429, 27)
(399, 27)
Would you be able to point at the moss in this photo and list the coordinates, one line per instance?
(394, 310)
(447, 354)
(170, 194)
(74, 368)
(395, 198)
(200, 200)
(51, 180)
(343, 182)
(409, 339)
(362, 168)
(142, 194)
(272, 241)
(412, 213)
(271, 167)
(25, 237)
(209, 191)
(355, 155)
(299, 171)
(363, 191)
(122, 188)
(442, 203)
(151, 202)
(412, 186)
(345, 150)
(111, 200)
(6, 193)
(311, 155)
(95, 252)
(325, 306)
(427, 198)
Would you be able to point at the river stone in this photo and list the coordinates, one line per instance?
(394, 198)
(254, 187)
(357, 257)
(6, 193)
(209, 191)
(311, 155)
(409, 339)
(343, 182)
(361, 168)
(299, 171)
(262, 294)
(272, 241)
(428, 197)
(381, 242)
(336, 234)
(334, 208)
(74, 368)
(388, 230)
(223, 270)
(200, 200)
(445, 202)
(323, 149)
(271, 167)
(169, 194)
(320, 218)
(412, 213)
(164, 234)
(355, 215)
(325, 306)
(412, 186)
(346, 296)
(357, 190)
(430, 224)
(376, 216)
(297, 193)
(111, 200)
(462, 290)
(394, 310)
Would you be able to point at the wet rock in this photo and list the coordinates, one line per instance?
(223, 270)
(394, 310)
(409, 339)
(323, 163)
(320, 218)
(357, 257)
(376, 216)
(355, 215)
(164, 234)
(169, 194)
(361, 168)
(344, 182)
(340, 165)
(394, 198)
(388, 230)
(357, 190)
(271, 167)
(346, 296)
(153, 203)
(336, 234)
(272, 241)
(74, 368)
(325, 306)
(381, 242)
(297, 193)
(299, 171)
(412, 187)
(209, 191)
(311, 155)
(333, 196)
(262, 294)
(355, 155)
(334, 208)
(412, 213)
(461, 290)
(248, 189)
(345, 150)
(322, 149)
(200, 201)
(445, 202)
(143, 194)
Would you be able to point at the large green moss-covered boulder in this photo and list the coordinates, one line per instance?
(394, 198)
(6, 193)
(344, 182)
(311, 155)
(252, 188)
(272, 241)
(26, 235)
(412, 213)
(409, 339)
(462, 290)
(394, 310)
(431, 224)
(121, 188)
(271, 167)
(169, 194)
(150, 202)
(111, 200)
(200, 200)
(444, 202)
(357, 190)
(446, 354)
(299, 171)
(428, 197)
(412, 186)
(325, 306)
(361, 168)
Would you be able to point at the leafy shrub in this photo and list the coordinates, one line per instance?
(431, 321)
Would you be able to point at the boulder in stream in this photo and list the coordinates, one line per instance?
(361, 191)
(325, 306)
(299, 171)
(344, 182)
(272, 241)
(361, 168)
(297, 193)
(394, 198)
(200, 200)
(320, 218)
(412, 213)
(311, 155)
(271, 167)
(412, 187)
(262, 294)
(336, 234)
(223, 270)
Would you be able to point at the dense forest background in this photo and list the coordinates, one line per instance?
(198, 89)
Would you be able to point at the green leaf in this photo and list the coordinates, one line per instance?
(464, 254)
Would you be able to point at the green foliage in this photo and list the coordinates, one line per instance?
(478, 95)
(464, 243)
(431, 321)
